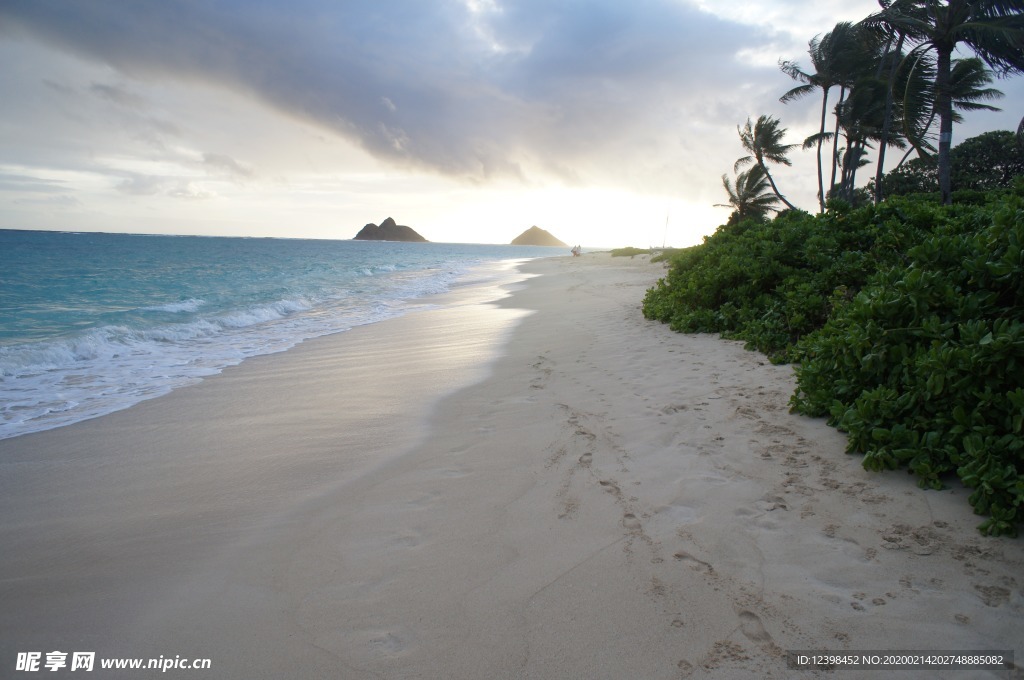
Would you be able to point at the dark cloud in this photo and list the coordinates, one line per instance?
(472, 91)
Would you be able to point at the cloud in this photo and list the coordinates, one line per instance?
(61, 201)
(338, 107)
(225, 164)
(154, 185)
(190, 191)
(474, 89)
(118, 95)
(29, 184)
(142, 185)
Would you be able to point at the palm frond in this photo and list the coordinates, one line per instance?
(812, 141)
(797, 92)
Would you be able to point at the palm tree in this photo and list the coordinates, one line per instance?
(916, 92)
(969, 82)
(861, 65)
(763, 141)
(993, 29)
(892, 60)
(828, 57)
(752, 196)
(862, 121)
(969, 85)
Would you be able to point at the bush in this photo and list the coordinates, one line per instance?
(906, 321)
(629, 252)
(772, 283)
(924, 368)
(666, 254)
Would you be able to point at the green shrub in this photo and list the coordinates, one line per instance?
(771, 283)
(629, 252)
(924, 369)
(906, 321)
(667, 254)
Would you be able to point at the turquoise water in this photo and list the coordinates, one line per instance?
(92, 323)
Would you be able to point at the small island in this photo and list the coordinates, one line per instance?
(388, 231)
(535, 236)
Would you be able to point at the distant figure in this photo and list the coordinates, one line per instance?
(576, 251)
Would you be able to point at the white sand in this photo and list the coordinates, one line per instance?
(608, 499)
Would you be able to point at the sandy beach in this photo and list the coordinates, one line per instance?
(544, 485)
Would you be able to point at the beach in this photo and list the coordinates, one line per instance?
(535, 482)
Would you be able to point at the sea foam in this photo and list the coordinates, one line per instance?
(93, 323)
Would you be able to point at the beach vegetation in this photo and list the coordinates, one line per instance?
(657, 254)
(630, 252)
(924, 367)
(989, 161)
(769, 283)
(833, 63)
(993, 30)
(901, 302)
(905, 322)
(762, 140)
(751, 197)
(666, 254)
(900, 87)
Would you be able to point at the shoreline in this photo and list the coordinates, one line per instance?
(599, 497)
(58, 381)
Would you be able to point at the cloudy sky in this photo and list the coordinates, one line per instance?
(469, 120)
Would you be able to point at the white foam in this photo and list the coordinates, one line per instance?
(57, 382)
(190, 305)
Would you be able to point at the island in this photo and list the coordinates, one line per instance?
(535, 236)
(388, 231)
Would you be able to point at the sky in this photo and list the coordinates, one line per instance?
(608, 123)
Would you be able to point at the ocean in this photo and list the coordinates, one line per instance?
(91, 323)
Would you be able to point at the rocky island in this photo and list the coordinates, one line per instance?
(388, 231)
(535, 236)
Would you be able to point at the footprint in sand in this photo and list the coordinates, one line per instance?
(423, 500)
(993, 596)
(451, 472)
(406, 541)
(630, 521)
(753, 629)
(383, 643)
(693, 563)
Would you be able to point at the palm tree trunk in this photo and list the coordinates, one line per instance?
(887, 121)
(821, 135)
(944, 102)
(913, 146)
(844, 176)
(835, 139)
(775, 188)
(852, 181)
